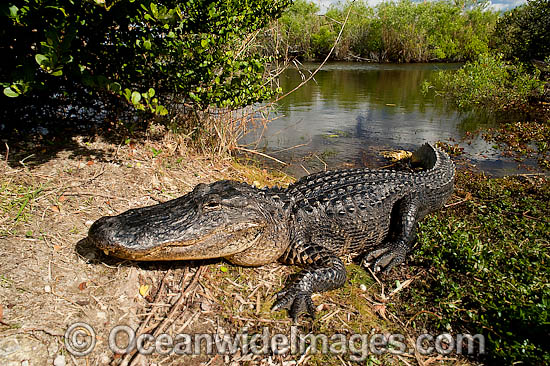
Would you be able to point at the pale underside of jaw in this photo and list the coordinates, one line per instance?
(219, 243)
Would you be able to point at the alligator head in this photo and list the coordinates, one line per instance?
(212, 221)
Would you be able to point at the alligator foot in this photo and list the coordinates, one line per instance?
(387, 256)
(296, 301)
(324, 271)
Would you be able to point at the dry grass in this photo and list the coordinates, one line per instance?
(50, 277)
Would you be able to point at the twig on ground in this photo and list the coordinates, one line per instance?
(321, 160)
(295, 146)
(262, 320)
(261, 154)
(142, 327)
(172, 314)
(422, 312)
(94, 194)
(467, 198)
(401, 286)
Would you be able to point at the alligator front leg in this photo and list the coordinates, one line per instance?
(324, 272)
(402, 235)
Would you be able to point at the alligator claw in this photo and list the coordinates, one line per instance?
(386, 257)
(376, 254)
(295, 301)
(387, 262)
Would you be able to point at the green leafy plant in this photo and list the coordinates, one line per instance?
(153, 55)
(489, 82)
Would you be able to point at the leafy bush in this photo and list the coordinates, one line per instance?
(145, 52)
(490, 82)
(489, 268)
(323, 41)
(524, 32)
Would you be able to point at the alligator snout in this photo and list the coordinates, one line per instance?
(211, 221)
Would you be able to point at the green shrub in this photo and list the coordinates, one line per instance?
(144, 52)
(489, 260)
(323, 41)
(489, 82)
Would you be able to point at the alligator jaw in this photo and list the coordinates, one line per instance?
(221, 242)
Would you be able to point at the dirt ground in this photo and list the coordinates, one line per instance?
(52, 278)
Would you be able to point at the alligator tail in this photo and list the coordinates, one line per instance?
(425, 156)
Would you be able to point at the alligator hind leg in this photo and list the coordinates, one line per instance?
(403, 229)
(324, 271)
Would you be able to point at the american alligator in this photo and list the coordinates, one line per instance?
(312, 223)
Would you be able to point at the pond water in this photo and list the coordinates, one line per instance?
(352, 111)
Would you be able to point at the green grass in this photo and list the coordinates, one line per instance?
(15, 204)
(488, 268)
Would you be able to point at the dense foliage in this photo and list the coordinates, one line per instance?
(489, 260)
(403, 31)
(146, 52)
(489, 82)
(524, 32)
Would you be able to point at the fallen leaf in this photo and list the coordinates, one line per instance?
(91, 162)
(1, 313)
(82, 286)
(144, 290)
(56, 247)
(54, 208)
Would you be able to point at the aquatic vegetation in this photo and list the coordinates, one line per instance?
(489, 82)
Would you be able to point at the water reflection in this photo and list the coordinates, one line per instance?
(351, 111)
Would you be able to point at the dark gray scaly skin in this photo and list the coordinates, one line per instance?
(312, 223)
